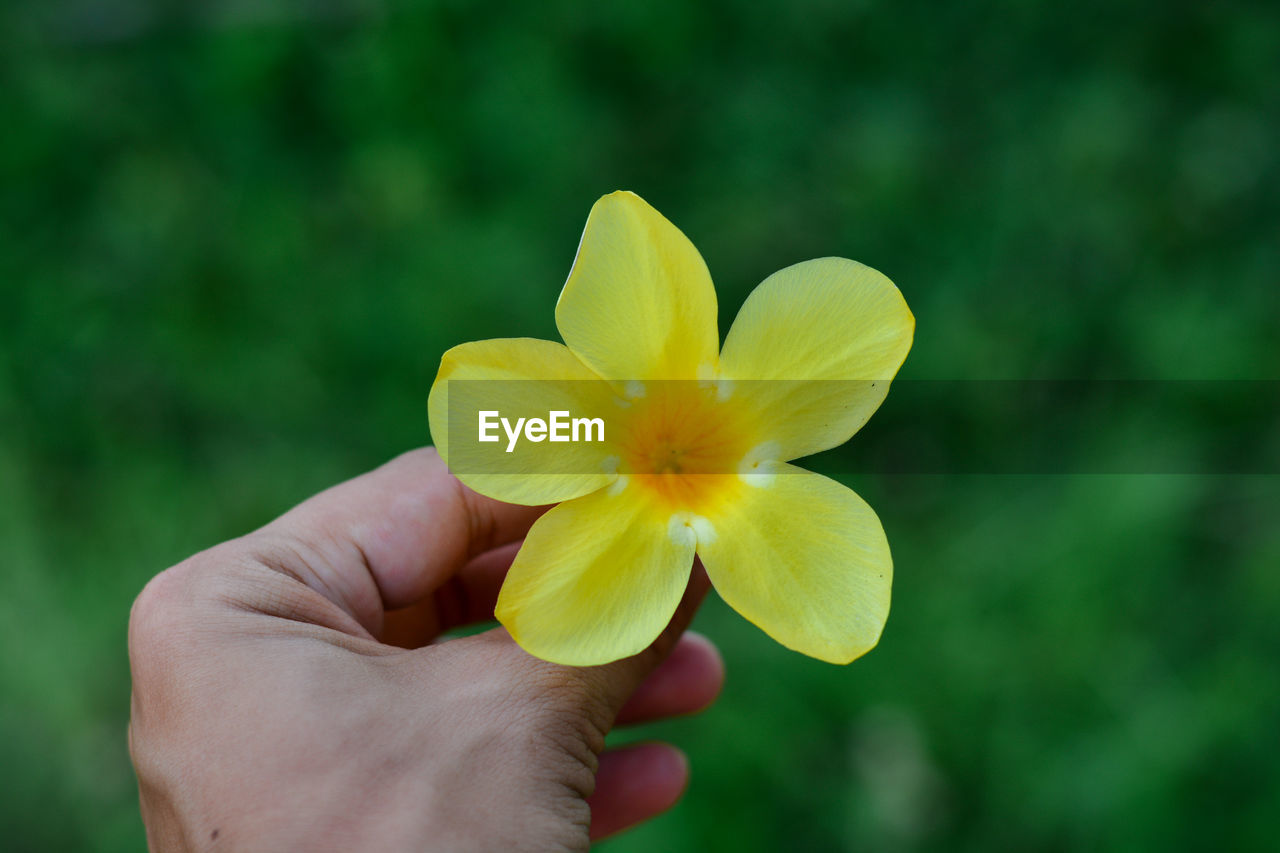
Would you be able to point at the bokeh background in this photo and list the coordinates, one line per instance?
(235, 238)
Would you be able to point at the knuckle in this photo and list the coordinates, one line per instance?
(167, 607)
(155, 608)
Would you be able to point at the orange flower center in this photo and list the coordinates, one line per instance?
(684, 444)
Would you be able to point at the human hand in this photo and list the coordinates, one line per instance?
(286, 695)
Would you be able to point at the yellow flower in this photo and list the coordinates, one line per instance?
(694, 459)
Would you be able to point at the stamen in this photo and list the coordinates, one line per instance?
(760, 466)
(686, 528)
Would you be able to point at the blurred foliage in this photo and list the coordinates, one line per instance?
(235, 238)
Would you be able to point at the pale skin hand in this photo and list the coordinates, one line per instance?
(287, 696)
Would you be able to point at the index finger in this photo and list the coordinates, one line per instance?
(389, 538)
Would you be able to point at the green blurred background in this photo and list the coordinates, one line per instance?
(235, 238)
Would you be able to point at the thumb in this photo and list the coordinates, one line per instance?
(590, 696)
(603, 690)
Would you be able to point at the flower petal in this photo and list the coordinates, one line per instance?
(806, 560)
(825, 337)
(596, 580)
(518, 377)
(638, 303)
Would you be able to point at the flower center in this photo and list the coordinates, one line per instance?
(683, 444)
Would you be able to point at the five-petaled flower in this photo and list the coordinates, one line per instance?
(698, 461)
